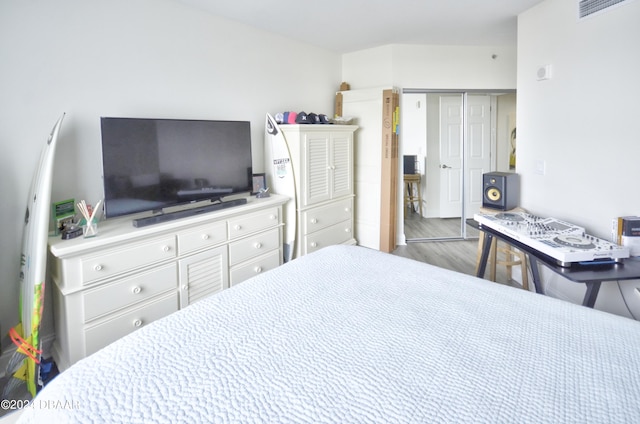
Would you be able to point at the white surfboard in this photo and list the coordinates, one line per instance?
(33, 265)
(281, 180)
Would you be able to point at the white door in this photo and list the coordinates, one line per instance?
(367, 106)
(477, 150)
(451, 120)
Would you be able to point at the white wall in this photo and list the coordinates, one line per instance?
(368, 68)
(432, 67)
(582, 121)
(144, 58)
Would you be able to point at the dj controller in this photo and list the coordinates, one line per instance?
(566, 243)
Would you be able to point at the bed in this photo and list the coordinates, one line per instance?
(348, 334)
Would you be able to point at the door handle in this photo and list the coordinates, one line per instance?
(444, 166)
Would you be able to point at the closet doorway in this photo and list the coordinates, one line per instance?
(453, 138)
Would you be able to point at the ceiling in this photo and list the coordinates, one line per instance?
(345, 26)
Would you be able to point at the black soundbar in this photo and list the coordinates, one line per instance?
(157, 219)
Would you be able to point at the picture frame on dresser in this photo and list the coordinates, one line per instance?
(259, 183)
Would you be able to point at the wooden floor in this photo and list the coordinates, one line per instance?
(417, 227)
(456, 255)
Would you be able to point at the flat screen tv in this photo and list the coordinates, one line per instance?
(152, 164)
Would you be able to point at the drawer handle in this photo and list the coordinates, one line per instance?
(136, 290)
(137, 323)
(258, 269)
(272, 216)
(237, 227)
(314, 221)
(98, 268)
(185, 287)
(314, 244)
(347, 209)
(257, 245)
(166, 248)
(347, 230)
(205, 237)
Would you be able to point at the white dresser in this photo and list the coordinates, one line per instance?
(322, 162)
(110, 285)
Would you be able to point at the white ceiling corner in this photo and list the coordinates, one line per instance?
(350, 25)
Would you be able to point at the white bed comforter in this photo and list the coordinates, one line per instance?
(349, 335)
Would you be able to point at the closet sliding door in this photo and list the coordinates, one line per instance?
(451, 136)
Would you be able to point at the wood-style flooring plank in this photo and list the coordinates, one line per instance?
(456, 255)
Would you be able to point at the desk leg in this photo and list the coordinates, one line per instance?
(592, 293)
(486, 248)
(535, 272)
(592, 288)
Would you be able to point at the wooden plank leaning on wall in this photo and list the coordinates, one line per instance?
(389, 177)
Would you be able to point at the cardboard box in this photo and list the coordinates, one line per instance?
(625, 226)
(631, 226)
(338, 111)
(627, 231)
(389, 170)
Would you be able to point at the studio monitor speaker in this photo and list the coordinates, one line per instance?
(500, 190)
(409, 162)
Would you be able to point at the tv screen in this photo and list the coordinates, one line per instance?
(151, 164)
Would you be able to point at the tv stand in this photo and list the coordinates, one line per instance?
(107, 286)
(164, 217)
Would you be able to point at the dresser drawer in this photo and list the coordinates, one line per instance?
(98, 336)
(123, 259)
(202, 237)
(325, 216)
(253, 246)
(247, 224)
(336, 234)
(114, 296)
(257, 266)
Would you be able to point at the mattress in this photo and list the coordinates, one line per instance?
(348, 335)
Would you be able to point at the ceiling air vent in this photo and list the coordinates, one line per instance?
(590, 7)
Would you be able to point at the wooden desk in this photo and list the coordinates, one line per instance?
(590, 275)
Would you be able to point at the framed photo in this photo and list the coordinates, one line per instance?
(62, 214)
(259, 183)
